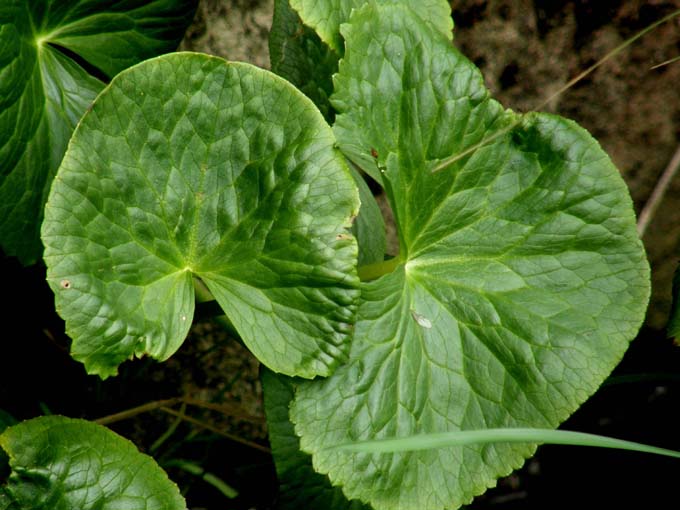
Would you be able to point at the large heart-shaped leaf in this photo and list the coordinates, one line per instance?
(519, 284)
(65, 464)
(191, 166)
(44, 91)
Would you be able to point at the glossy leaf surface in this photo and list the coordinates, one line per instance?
(62, 464)
(519, 284)
(44, 91)
(189, 166)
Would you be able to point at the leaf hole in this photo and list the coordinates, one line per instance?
(65, 284)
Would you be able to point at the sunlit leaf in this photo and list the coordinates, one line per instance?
(192, 167)
(519, 283)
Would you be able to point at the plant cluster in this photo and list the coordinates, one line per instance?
(519, 283)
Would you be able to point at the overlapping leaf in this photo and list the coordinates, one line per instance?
(62, 464)
(326, 16)
(519, 284)
(301, 57)
(299, 485)
(44, 91)
(188, 166)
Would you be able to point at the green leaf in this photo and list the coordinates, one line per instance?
(326, 16)
(301, 57)
(62, 464)
(44, 92)
(6, 420)
(188, 166)
(513, 435)
(369, 226)
(519, 284)
(673, 328)
(300, 486)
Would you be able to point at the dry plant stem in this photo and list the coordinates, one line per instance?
(659, 192)
(145, 408)
(209, 427)
(451, 160)
(225, 409)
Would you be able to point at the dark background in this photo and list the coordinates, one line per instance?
(527, 50)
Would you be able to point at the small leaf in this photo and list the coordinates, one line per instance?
(62, 464)
(300, 486)
(519, 283)
(326, 16)
(190, 166)
(44, 92)
(369, 226)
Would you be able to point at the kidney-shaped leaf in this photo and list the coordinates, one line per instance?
(62, 464)
(191, 166)
(519, 284)
(44, 91)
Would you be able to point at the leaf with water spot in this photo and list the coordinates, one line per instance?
(519, 284)
(189, 166)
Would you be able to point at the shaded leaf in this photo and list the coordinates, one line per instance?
(44, 92)
(301, 57)
(673, 328)
(188, 166)
(369, 226)
(300, 486)
(519, 283)
(62, 464)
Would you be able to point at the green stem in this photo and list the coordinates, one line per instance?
(374, 271)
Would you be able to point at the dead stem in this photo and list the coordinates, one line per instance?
(211, 428)
(144, 408)
(659, 192)
(447, 162)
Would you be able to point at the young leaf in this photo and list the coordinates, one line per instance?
(189, 166)
(519, 284)
(62, 464)
(326, 16)
(300, 486)
(43, 91)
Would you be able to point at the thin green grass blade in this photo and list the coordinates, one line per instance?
(510, 435)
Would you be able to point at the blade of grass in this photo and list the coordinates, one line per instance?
(207, 477)
(169, 432)
(510, 435)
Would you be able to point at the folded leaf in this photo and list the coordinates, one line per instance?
(189, 166)
(62, 464)
(44, 91)
(519, 284)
